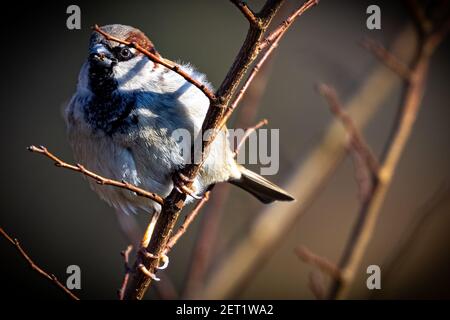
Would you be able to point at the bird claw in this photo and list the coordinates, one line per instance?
(183, 178)
(165, 261)
(149, 274)
(164, 258)
(180, 181)
(188, 191)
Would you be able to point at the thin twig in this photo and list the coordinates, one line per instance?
(126, 261)
(254, 96)
(286, 24)
(365, 164)
(248, 133)
(98, 178)
(246, 11)
(51, 277)
(248, 82)
(166, 63)
(322, 263)
(357, 140)
(387, 58)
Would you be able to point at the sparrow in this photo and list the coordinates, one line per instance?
(121, 121)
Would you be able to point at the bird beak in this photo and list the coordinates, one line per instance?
(101, 55)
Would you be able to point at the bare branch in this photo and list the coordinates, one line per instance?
(370, 209)
(286, 24)
(436, 37)
(126, 260)
(254, 96)
(246, 11)
(248, 82)
(366, 165)
(322, 263)
(100, 180)
(51, 277)
(247, 134)
(388, 59)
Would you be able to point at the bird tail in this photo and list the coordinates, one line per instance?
(260, 187)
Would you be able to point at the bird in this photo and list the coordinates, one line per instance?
(122, 119)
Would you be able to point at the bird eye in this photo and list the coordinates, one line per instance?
(125, 53)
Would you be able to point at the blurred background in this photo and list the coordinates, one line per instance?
(61, 222)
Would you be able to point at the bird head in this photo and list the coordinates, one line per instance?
(112, 65)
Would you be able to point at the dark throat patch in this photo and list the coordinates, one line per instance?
(107, 111)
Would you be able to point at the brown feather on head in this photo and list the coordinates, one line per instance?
(138, 37)
(126, 33)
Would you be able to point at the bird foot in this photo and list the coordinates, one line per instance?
(149, 274)
(181, 181)
(164, 258)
